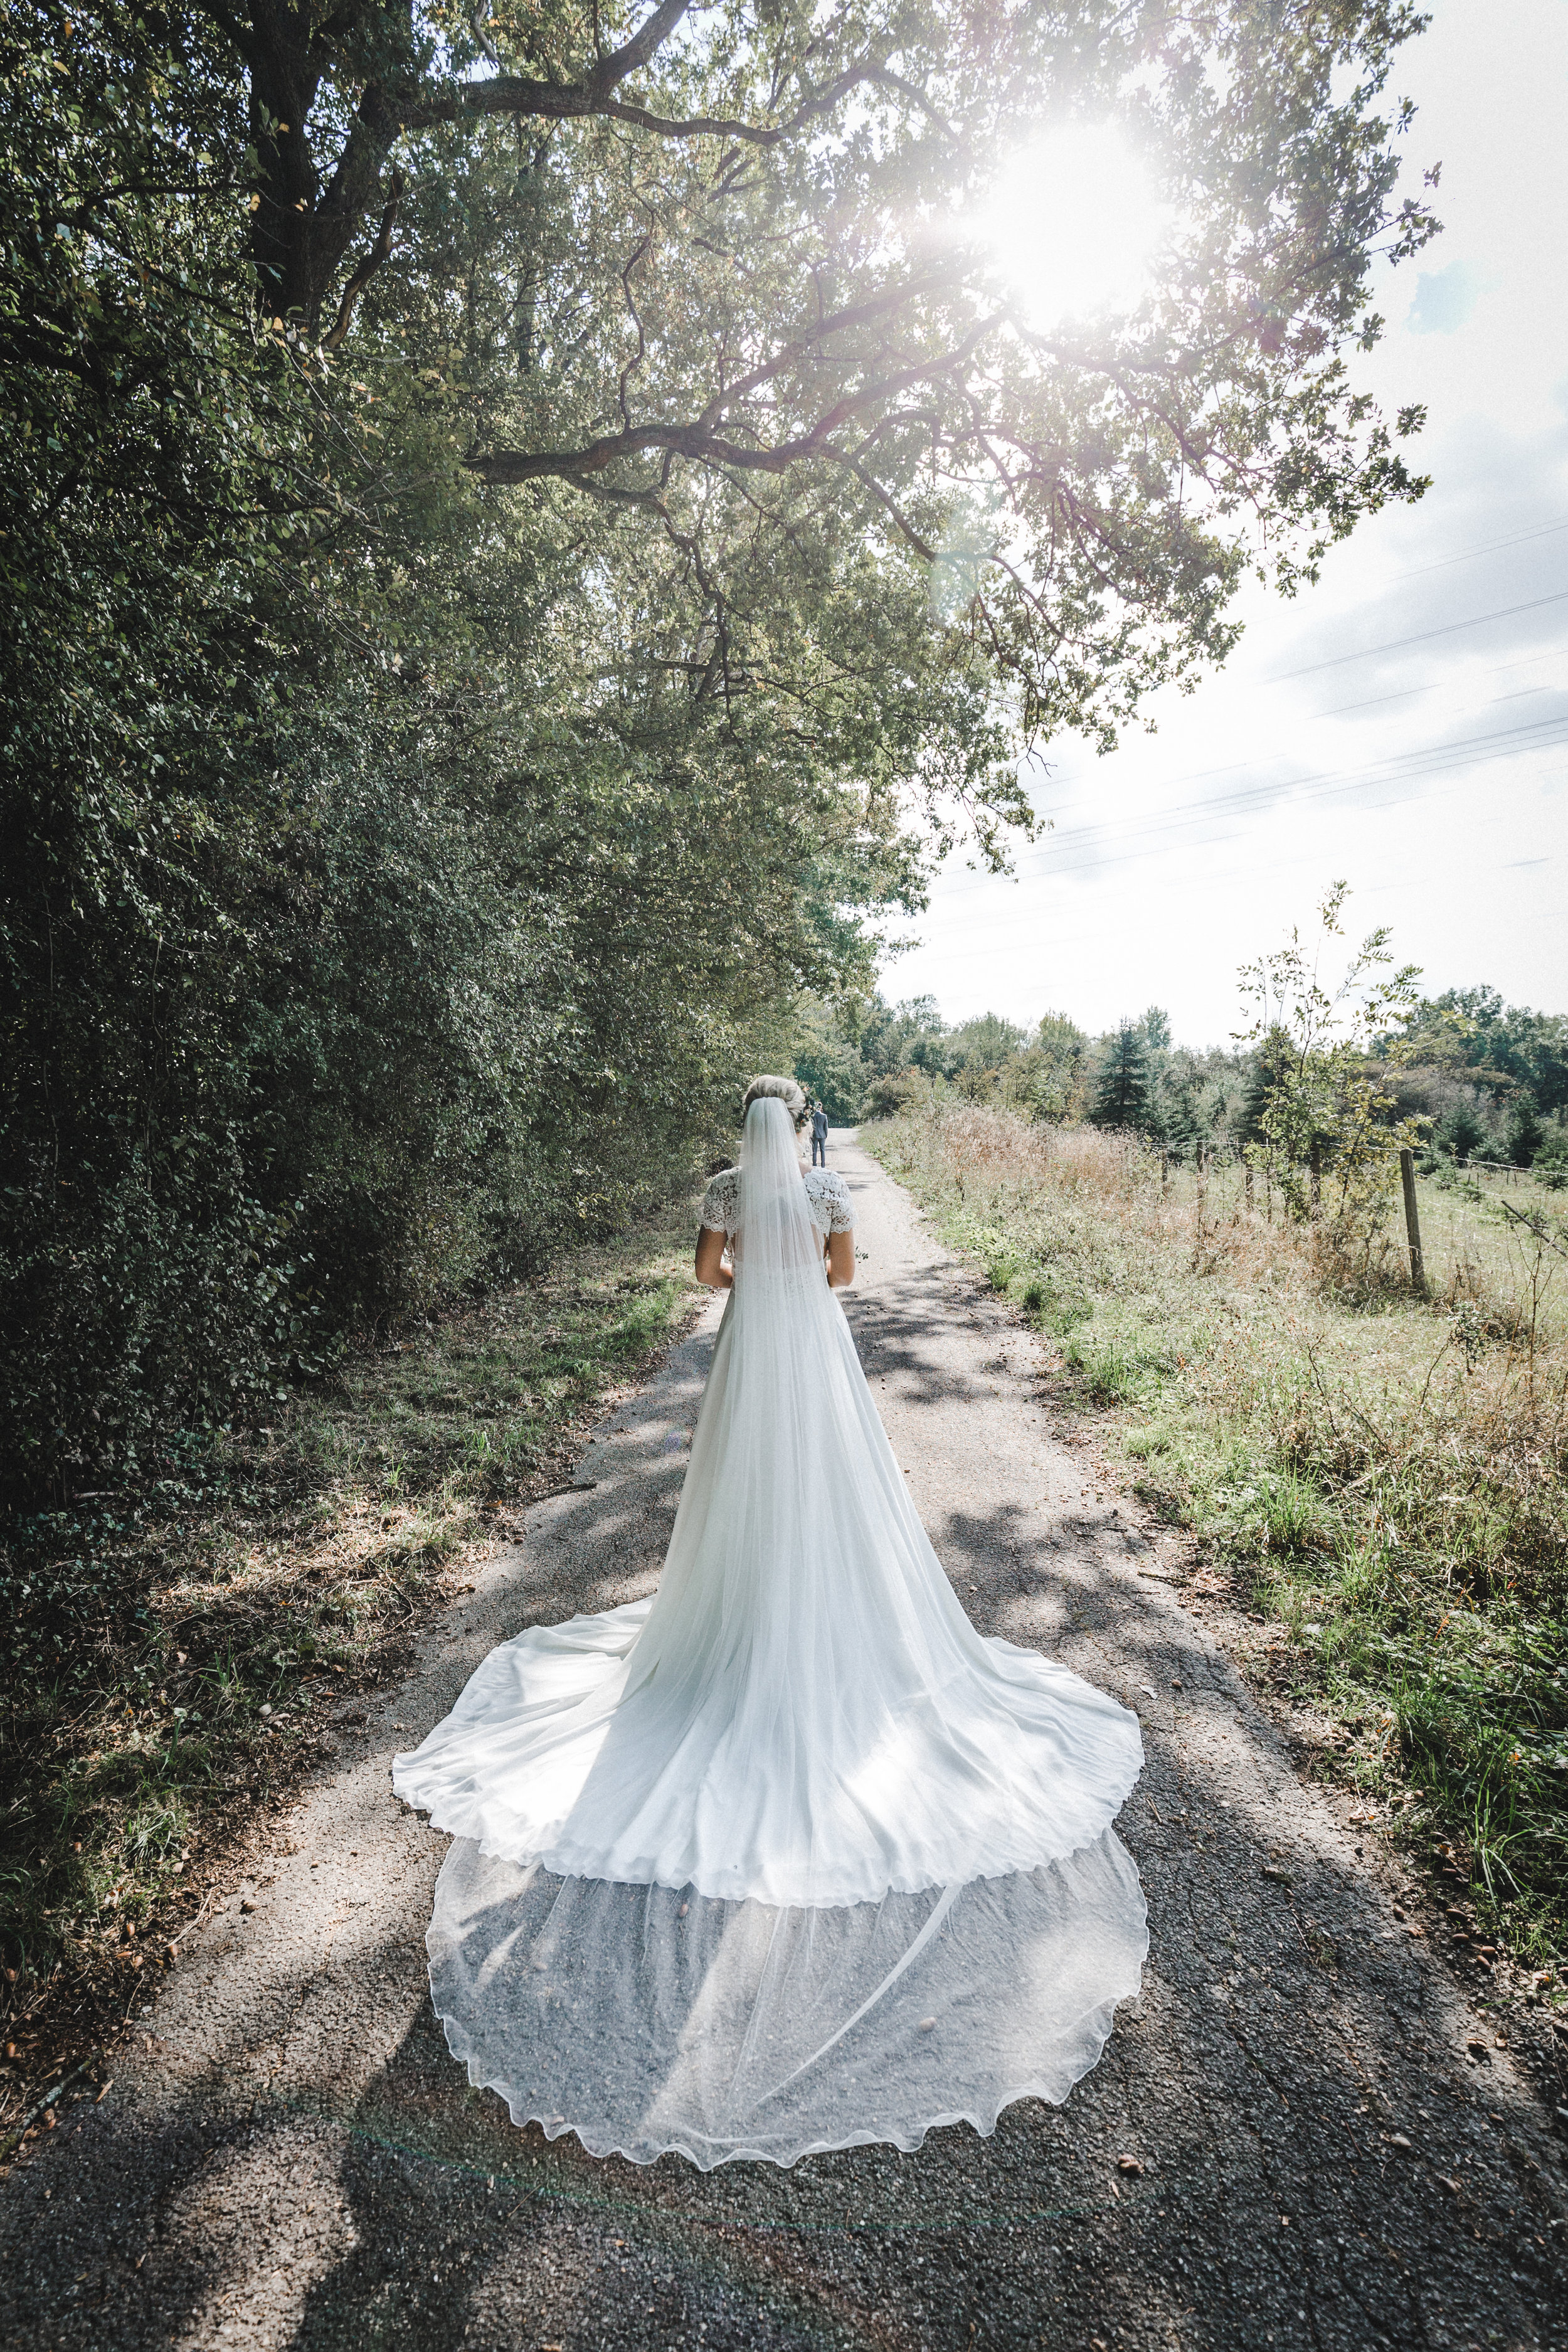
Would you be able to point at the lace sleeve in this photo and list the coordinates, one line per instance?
(831, 1201)
(719, 1201)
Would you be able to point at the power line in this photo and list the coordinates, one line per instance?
(1436, 759)
(1097, 930)
(1466, 554)
(1338, 710)
(1397, 768)
(1405, 693)
(1422, 636)
(1442, 758)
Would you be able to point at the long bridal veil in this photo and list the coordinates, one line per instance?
(788, 1857)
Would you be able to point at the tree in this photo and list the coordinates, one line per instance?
(1266, 1068)
(1122, 1089)
(1461, 1134)
(826, 1058)
(713, 265)
(1524, 1134)
(889, 1037)
(986, 1041)
(1325, 1132)
(494, 609)
(1049, 1079)
(1471, 1031)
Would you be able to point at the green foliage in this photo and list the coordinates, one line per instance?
(899, 1091)
(1551, 1161)
(483, 633)
(1461, 1134)
(281, 1570)
(828, 1063)
(1524, 1134)
(1112, 1372)
(368, 931)
(1325, 1134)
(897, 1037)
(984, 1043)
(1122, 1089)
(1385, 1487)
(1047, 1079)
(1470, 1032)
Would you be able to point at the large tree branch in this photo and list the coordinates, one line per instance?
(847, 321)
(644, 42)
(564, 101)
(380, 251)
(885, 498)
(701, 442)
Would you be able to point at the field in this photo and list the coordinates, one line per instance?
(177, 1655)
(1378, 1479)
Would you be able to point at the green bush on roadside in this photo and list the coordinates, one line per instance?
(170, 1654)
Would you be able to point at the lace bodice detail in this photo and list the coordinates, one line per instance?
(827, 1197)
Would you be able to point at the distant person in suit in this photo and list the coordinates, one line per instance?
(818, 1136)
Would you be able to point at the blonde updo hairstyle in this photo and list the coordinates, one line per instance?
(783, 1090)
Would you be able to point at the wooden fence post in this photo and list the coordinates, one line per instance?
(1165, 1173)
(1315, 1162)
(1411, 1221)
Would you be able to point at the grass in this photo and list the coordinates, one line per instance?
(1378, 1480)
(177, 1655)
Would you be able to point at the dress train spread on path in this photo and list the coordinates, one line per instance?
(787, 1856)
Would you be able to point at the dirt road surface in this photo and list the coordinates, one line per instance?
(288, 2157)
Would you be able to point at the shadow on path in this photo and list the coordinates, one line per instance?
(297, 2162)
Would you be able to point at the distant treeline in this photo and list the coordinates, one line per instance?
(1482, 1080)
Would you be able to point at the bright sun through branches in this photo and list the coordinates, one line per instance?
(1074, 221)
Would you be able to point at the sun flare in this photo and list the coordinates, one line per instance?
(1073, 220)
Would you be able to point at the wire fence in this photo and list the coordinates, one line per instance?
(1451, 1238)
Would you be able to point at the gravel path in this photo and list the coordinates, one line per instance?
(290, 2158)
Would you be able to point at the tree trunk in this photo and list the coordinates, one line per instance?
(301, 233)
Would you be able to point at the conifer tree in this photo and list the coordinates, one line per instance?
(1121, 1095)
(1525, 1133)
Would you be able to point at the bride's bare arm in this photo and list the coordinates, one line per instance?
(711, 1268)
(840, 1260)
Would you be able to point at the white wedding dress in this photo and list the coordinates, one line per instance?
(786, 1857)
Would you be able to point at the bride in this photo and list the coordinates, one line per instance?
(785, 1857)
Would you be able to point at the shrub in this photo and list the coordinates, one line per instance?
(902, 1090)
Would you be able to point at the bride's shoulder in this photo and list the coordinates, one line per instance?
(720, 1201)
(828, 1194)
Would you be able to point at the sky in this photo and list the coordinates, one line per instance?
(1404, 725)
